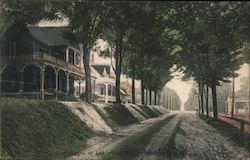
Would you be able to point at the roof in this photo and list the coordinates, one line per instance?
(51, 36)
(100, 68)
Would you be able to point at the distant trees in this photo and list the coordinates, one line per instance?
(170, 99)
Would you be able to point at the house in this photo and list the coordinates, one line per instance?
(40, 62)
(104, 84)
(241, 106)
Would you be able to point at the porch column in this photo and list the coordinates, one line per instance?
(20, 79)
(106, 96)
(67, 55)
(67, 82)
(94, 87)
(42, 82)
(81, 55)
(56, 88)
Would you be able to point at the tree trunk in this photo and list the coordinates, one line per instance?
(146, 97)
(232, 109)
(133, 83)
(159, 98)
(199, 103)
(214, 97)
(155, 97)
(202, 97)
(170, 101)
(118, 62)
(150, 97)
(142, 90)
(163, 99)
(86, 60)
(207, 93)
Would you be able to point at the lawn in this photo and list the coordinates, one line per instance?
(36, 129)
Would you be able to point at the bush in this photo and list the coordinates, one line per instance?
(66, 97)
(94, 97)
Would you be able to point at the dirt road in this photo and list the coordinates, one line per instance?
(186, 136)
(98, 146)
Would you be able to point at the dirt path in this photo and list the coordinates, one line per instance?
(188, 137)
(98, 146)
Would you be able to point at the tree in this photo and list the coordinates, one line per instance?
(116, 18)
(212, 40)
(85, 20)
(25, 12)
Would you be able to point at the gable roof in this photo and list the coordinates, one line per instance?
(51, 36)
(100, 68)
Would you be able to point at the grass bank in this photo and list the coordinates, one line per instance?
(132, 146)
(116, 115)
(149, 111)
(36, 129)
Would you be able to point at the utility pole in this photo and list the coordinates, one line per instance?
(0, 97)
(232, 109)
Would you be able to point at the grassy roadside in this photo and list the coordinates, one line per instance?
(149, 111)
(156, 111)
(134, 145)
(105, 117)
(120, 115)
(141, 112)
(233, 133)
(36, 129)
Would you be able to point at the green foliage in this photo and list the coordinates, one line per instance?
(34, 129)
(132, 146)
(25, 12)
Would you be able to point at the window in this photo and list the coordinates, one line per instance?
(109, 90)
(71, 56)
(102, 91)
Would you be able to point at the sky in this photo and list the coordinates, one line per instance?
(181, 87)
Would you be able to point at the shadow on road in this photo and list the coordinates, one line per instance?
(239, 137)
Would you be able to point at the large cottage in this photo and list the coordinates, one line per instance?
(39, 61)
